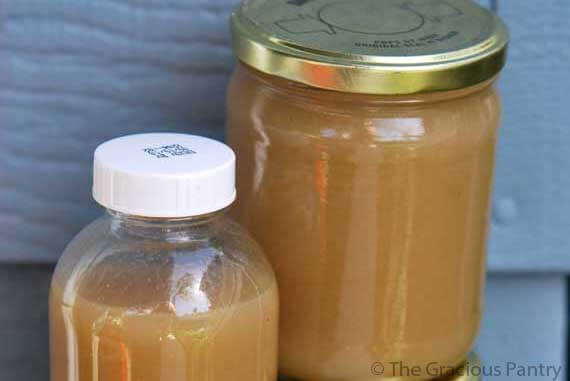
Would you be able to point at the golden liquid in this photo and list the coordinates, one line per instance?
(373, 212)
(130, 341)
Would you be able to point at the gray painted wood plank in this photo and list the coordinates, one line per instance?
(24, 352)
(525, 324)
(75, 73)
(531, 212)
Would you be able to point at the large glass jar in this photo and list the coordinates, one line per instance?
(368, 187)
(160, 289)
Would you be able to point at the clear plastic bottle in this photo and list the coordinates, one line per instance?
(163, 287)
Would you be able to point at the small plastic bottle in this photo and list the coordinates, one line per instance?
(164, 286)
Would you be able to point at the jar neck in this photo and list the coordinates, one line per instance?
(305, 92)
(181, 229)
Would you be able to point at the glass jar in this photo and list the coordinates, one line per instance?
(365, 168)
(159, 288)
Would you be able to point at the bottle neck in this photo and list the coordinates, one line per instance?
(164, 229)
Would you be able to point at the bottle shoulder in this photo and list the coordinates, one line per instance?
(203, 268)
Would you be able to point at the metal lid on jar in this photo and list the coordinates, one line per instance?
(371, 46)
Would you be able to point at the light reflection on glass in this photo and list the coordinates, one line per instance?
(397, 129)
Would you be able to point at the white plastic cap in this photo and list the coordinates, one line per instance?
(164, 175)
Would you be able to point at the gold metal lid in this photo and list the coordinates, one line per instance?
(371, 46)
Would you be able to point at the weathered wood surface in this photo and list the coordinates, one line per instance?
(532, 203)
(525, 323)
(74, 73)
(24, 352)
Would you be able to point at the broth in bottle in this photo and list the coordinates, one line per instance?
(164, 287)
